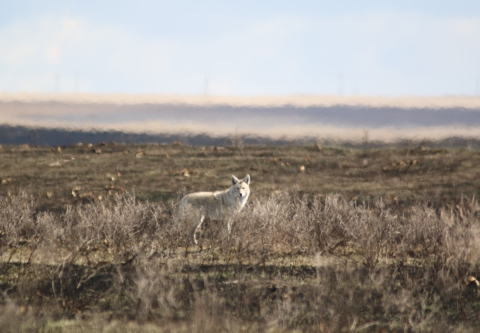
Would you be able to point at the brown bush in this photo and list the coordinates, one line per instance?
(290, 262)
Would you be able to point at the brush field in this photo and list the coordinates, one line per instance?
(331, 240)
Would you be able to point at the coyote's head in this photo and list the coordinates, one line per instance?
(240, 188)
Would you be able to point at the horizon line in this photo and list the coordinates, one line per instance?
(296, 100)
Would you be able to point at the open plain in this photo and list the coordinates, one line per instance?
(331, 240)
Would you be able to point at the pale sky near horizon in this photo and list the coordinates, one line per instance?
(388, 48)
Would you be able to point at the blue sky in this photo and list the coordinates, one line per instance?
(388, 48)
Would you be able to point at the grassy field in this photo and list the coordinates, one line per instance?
(332, 240)
(64, 175)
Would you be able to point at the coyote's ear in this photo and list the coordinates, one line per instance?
(246, 180)
(234, 180)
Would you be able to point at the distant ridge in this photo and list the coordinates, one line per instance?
(448, 101)
(299, 118)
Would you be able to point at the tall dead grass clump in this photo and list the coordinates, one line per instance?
(13, 319)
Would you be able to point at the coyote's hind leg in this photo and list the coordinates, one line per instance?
(196, 229)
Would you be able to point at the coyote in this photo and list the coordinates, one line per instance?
(215, 205)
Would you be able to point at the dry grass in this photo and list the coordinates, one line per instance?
(160, 172)
(292, 262)
(356, 241)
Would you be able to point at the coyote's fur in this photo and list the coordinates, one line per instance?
(195, 207)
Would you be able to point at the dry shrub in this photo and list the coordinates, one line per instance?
(118, 227)
(211, 315)
(398, 270)
(281, 224)
(156, 291)
(17, 223)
